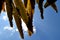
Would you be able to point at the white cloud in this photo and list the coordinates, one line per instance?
(8, 28)
(16, 29)
(5, 18)
(34, 29)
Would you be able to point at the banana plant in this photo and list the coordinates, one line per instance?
(25, 11)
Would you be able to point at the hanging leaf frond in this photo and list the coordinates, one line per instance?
(40, 6)
(22, 10)
(18, 10)
(52, 4)
(17, 18)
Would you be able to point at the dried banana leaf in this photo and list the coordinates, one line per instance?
(1, 5)
(22, 10)
(30, 12)
(9, 11)
(18, 22)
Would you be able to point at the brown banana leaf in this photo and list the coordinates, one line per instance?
(1, 5)
(9, 11)
(21, 7)
(18, 22)
(30, 12)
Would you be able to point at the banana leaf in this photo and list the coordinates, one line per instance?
(18, 22)
(52, 4)
(9, 11)
(22, 10)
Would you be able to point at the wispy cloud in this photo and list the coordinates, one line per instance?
(34, 29)
(16, 29)
(8, 28)
(5, 18)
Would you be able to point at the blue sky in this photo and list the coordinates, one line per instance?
(47, 29)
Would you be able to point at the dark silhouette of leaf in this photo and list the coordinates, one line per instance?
(40, 5)
(9, 11)
(52, 4)
(1, 5)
